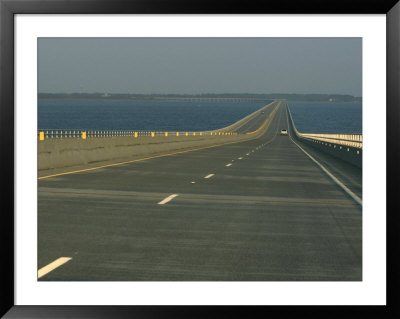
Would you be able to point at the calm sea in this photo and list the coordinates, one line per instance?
(134, 115)
(327, 117)
(189, 116)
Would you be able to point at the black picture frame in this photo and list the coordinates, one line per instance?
(9, 8)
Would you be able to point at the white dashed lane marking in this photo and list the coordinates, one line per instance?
(167, 199)
(209, 175)
(227, 165)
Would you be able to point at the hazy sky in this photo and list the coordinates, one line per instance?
(200, 65)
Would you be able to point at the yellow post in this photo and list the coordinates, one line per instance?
(211, 133)
(187, 134)
(177, 133)
(219, 133)
(136, 134)
(41, 136)
(152, 134)
(166, 133)
(201, 133)
(194, 133)
(84, 135)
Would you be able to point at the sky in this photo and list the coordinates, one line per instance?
(200, 65)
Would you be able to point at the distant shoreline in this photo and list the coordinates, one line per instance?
(201, 97)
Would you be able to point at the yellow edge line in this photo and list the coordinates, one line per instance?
(140, 159)
(136, 160)
(50, 267)
(265, 107)
(270, 117)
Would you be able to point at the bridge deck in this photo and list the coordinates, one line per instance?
(272, 214)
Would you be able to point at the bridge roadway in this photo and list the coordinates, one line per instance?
(268, 213)
(256, 122)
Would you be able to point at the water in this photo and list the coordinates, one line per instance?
(309, 117)
(327, 117)
(136, 115)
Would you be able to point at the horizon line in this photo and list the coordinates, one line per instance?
(230, 93)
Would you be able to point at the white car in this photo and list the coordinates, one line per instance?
(283, 132)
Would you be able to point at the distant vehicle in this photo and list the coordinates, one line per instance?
(283, 132)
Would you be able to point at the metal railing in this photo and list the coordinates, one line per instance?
(44, 134)
(84, 134)
(353, 140)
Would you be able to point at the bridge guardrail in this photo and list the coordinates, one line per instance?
(354, 140)
(84, 134)
(345, 146)
(44, 134)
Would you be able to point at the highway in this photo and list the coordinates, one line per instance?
(257, 210)
(256, 122)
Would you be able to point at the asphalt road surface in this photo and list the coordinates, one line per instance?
(256, 121)
(259, 210)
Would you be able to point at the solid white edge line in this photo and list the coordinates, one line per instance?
(167, 199)
(53, 265)
(344, 187)
(209, 175)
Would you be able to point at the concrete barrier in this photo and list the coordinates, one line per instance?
(347, 153)
(56, 155)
